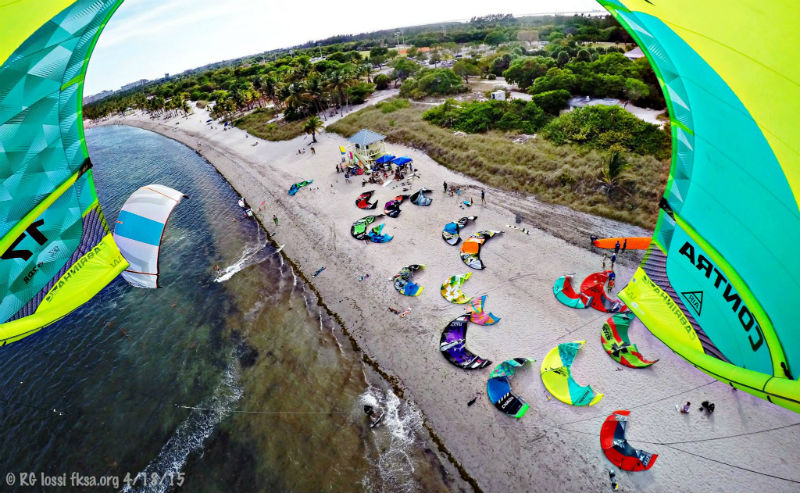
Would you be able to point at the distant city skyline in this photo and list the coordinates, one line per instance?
(147, 38)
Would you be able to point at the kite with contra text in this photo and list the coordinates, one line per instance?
(557, 376)
(715, 282)
(471, 248)
(499, 389)
(139, 230)
(56, 250)
(617, 344)
(616, 447)
(453, 344)
(450, 233)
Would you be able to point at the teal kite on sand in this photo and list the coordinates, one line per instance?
(297, 186)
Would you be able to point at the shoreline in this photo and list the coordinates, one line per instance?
(496, 452)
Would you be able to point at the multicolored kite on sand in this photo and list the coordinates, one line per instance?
(471, 248)
(616, 447)
(499, 389)
(617, 344)
(450, 233)
(557, 376)
(453, 343)
(403, 283)
(451, 289)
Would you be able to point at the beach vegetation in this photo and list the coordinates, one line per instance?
(432, 82)
(312, 126)
(569, 174)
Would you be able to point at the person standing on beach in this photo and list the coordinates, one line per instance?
(313, 151)
(625, 245)
(483, 197)
(275, 218)
(445, 187)
(613, 260)
(616, 248)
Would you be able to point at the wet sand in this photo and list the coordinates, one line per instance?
(748, 444)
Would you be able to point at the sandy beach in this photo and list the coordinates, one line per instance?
(747, 445)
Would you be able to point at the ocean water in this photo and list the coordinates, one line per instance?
(229, 380)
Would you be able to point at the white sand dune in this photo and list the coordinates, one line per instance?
(555, 447)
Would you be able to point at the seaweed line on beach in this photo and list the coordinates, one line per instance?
(395, 383)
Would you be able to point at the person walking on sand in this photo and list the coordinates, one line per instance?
(445, 187)
(313, 151)
(483, 197)
(605, 257)
(275, 218)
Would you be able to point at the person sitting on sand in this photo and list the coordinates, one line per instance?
(708, 407)
(685, 408)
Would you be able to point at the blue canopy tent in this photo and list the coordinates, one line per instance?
(402, 160)
(386, 158)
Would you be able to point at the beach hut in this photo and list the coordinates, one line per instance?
(365, 148)
(499, 95)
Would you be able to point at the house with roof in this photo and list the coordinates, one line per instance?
(365, 147)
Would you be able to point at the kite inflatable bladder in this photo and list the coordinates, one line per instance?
(56, 251)
(471, 248)
(453, 342)
(402, 281)
(616, 447)
(625, 243)
(716, 282)
(566, 294)
(557, 376)
(499, 389)
(139, 230)
(450, 233)
(451, 289)
(617, 344)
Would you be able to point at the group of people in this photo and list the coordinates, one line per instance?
(457, 191)
(303, 151)
(705, 406)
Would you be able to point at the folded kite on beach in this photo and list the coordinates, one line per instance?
(362, 202)
(557, 376)
(471, 248)
(616, 447)
(451, 289)
(392, 208)
(453, 342)
(359, 228)
(297, 186)
(499, 389)
(450, 233)
(376, 235)
(403, 283)
(617, 344)
(419, 198)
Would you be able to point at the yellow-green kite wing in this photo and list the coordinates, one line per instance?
(719, 282)
(55, 248)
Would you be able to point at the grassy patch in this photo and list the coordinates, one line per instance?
(569, 175)
(256, 123)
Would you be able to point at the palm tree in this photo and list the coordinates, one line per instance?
(611, 173)
(313, 125)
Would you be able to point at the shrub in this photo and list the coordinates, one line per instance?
(392, 105)
(358, 92)
(552, 102)
(382, 81)
(432, 82)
